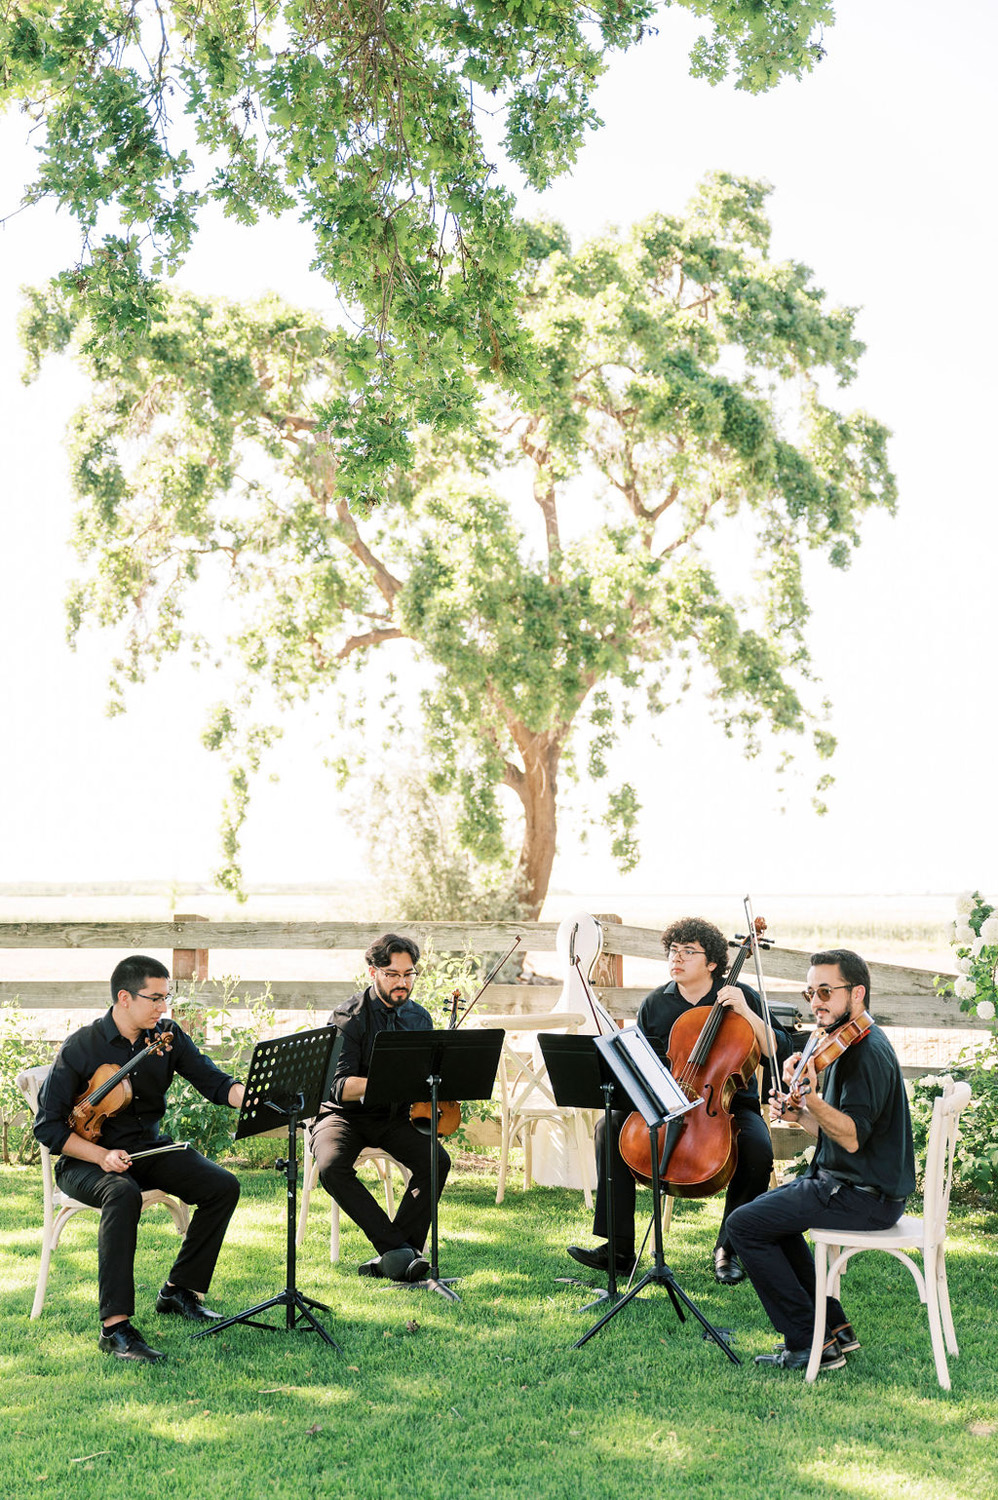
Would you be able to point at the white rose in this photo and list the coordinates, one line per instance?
(965, 903)
(989, 929)
(986, 1010)
(964, 965)
(964, 989)
(976, 946)
(963, 934)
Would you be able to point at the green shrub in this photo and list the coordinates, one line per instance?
(975, 1169)
(18, 1050)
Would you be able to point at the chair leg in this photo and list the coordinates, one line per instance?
(528, 1162)
(942, 1293)
(821, 1254)
(309, 1177)
(935, 1321)
(583, 1146)
(504, 1148)
(667, 1202)
(43, 1276)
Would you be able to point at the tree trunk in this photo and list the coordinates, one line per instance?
(537, 788)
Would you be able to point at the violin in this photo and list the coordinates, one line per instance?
(821, 1050)
(712, 1054)
(110, 1091)
(449, 1110)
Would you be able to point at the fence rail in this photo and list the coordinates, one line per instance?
(901, 996)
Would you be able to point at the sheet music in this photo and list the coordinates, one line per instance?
(650, 1073)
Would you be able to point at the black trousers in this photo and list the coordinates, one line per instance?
(749, 1179)
(188, 1176)
(338, 1140)
(768, 1237)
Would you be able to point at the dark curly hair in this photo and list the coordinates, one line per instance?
(699, 930)
(379, 954)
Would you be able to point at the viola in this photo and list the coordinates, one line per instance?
(110, 1091)
(712, 1054)
(449, 1110)
(821, 1050)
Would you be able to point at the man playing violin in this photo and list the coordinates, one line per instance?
(859, 1178)
(102, 1172)
(698, 958)
(345, 1126)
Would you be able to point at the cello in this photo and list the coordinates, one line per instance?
(711, 1053)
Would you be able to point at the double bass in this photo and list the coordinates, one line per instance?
(712, 1054)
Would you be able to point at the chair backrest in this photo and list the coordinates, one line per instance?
(30, 1083)
(523, 1078)
(946, 1111)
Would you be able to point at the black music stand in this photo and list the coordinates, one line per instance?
(289, 1077)
(658, 1097)
(581, 1079)
(409, 1067)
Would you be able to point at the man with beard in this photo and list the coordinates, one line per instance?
(862, 1171)
(345, 1126)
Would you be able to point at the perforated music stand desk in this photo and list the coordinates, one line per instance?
(288, 1079)
(410, 1067)
(581, 1079)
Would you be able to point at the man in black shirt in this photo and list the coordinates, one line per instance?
(862, 1171)
(102, 1172)
(698, 958)
(345, 1126)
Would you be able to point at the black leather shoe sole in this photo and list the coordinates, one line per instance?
(599, 1259)
(187, 1307)
(728, 1269)
(129, 1346)
(783, 1358)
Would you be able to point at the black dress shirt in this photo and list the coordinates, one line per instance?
(661, 1010)
(359, 1020)
(137, 1125)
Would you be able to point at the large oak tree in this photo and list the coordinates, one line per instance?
(682, 376)
(364, 118)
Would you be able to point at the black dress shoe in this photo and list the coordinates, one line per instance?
(845, 1337)
(728, 1269)
(783, 1358)
(371, 1267)
(178, 1299)
(125, 1342)
(398, 1263)
(599, 1259)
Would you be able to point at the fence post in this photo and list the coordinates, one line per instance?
(191, 964)
(608, 970)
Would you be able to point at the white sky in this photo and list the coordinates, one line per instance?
(882, 166)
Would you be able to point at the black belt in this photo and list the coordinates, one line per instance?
(874, 1193)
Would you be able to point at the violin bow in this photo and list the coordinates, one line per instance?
(483, 987)
(774, 1079)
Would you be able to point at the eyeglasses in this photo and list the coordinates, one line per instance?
(675, 952)
(393, 976)
(824, 992)
(156, 999)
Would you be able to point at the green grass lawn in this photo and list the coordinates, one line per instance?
(485, 1397)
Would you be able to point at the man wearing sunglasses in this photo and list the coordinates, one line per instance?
(859, 1178)
(698, 959)
(345, 1126)
(110, 1174)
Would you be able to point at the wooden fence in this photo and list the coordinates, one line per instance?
(901, 997)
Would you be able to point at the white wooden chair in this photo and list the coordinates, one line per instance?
(833, 1248)
(383, 1164)
(59, 1208)
(526, 1099)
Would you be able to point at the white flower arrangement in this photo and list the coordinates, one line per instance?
(975, 944)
